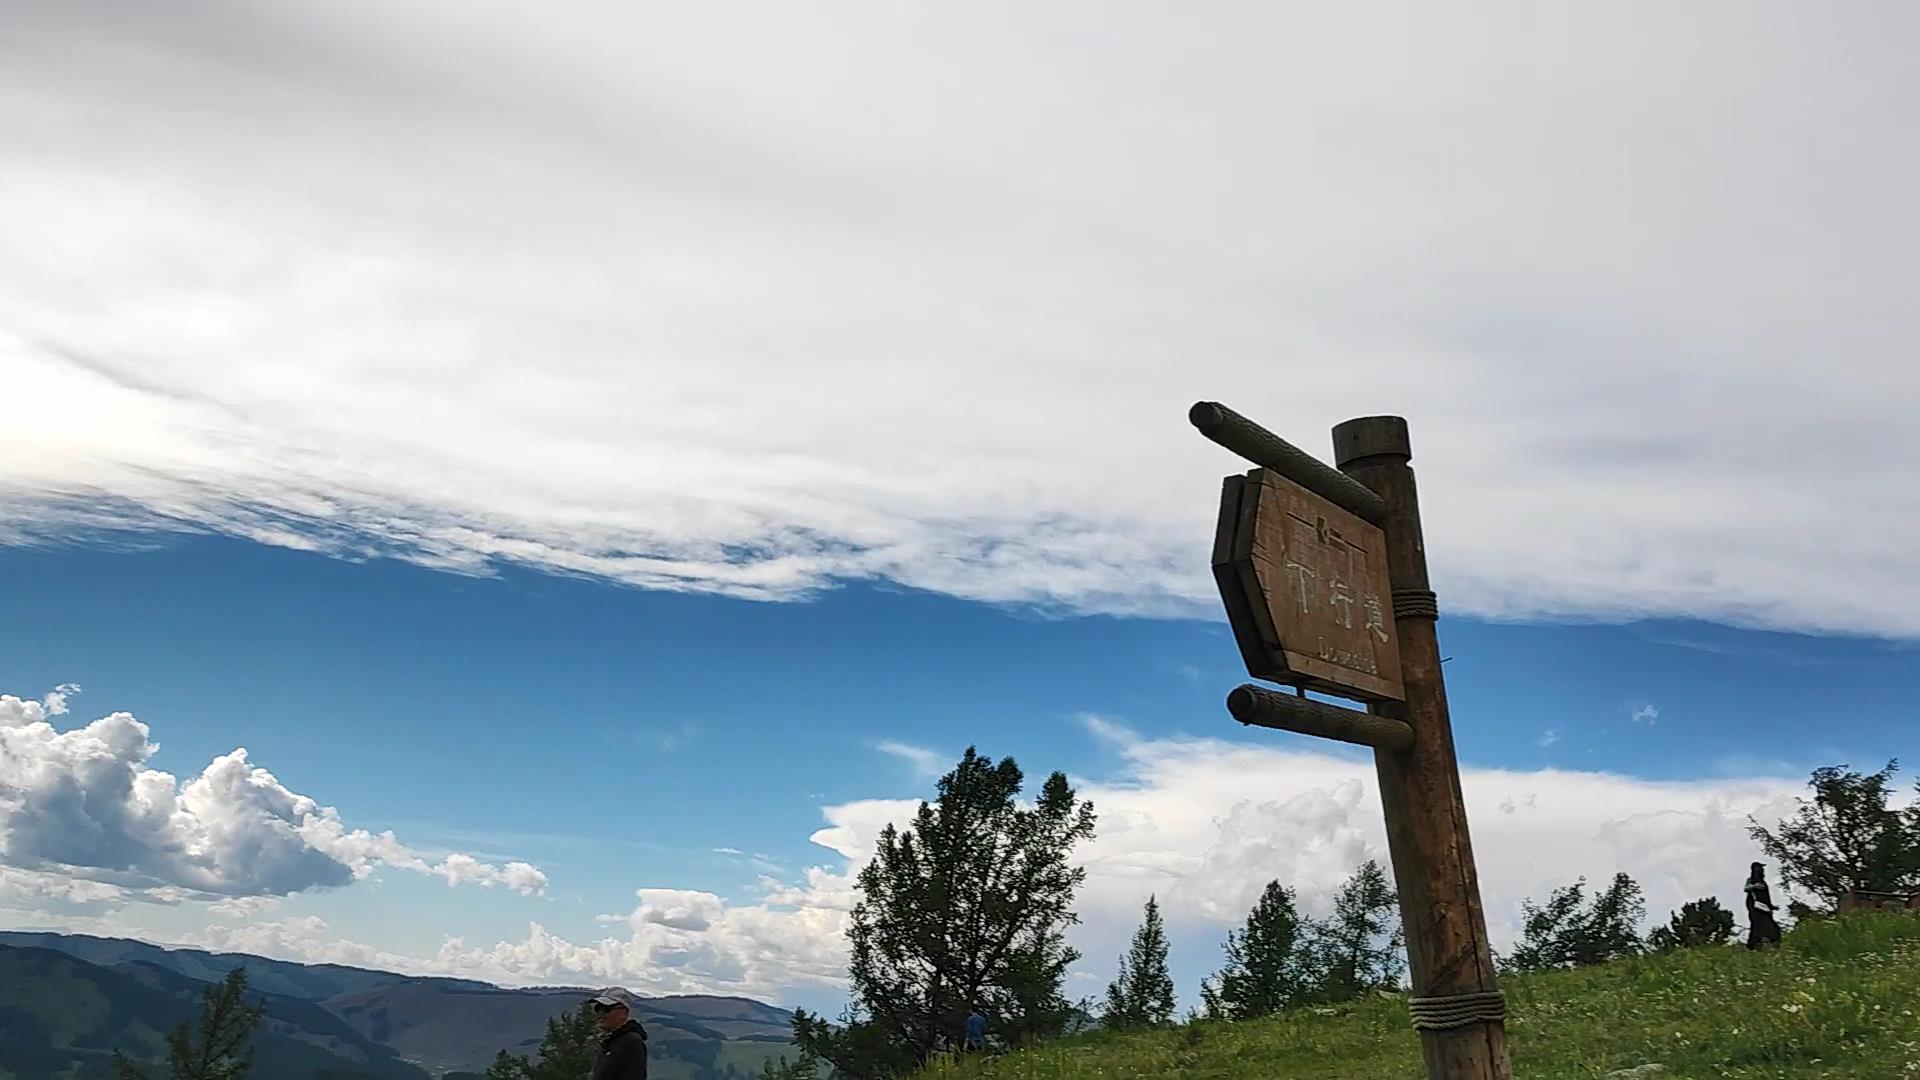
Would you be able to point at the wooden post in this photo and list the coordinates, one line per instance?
(1449, 960)
(1261, 707)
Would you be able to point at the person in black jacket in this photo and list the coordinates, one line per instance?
(1762, 929)
(623, 1049)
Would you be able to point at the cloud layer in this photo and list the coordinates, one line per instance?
(743, 300)
(1201, 823)
(86, 821)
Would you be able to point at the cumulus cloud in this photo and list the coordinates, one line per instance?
(1201, 823)
(1217, 820)
(1646, 714)
(85, 804)
(650, 297)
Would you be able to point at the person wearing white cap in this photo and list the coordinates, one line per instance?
(623, 1049)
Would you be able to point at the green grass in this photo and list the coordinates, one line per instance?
(1837, 999)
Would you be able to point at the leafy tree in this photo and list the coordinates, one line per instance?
(1697, 923)
(214, 1048)
(1141, 995)
(964, 908)
(1266, 968)
(806, 1067)
(1360, 946)
(1567, 931)
(1847, 838)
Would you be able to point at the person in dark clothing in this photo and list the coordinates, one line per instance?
(623, 1047)
(1762, 929)
(976, 1032)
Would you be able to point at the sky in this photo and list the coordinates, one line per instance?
(530, 494)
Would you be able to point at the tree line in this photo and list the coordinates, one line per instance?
(965, 910)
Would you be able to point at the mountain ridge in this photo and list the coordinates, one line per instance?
(356, 1022)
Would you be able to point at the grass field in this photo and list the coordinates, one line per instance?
(1837, 999)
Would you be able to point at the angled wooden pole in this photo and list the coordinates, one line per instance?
(1262, 707)
(1456, 1001)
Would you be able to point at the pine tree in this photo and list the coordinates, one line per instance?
(216, 1047)
(509, 1067)
(1266, 970)
(1698, 923)
(1141, 995)
(964, 908)
(570, 1047)
(1359, 947)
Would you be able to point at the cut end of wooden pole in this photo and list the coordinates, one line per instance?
(1371, 436)
(1242, 704)
(1208, 416)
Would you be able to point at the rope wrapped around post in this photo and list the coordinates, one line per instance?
(1457, 1010)
(1415, 604)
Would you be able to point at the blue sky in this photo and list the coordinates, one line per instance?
(599, 468)
(619, 738)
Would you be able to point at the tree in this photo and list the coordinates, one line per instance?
(1141, 995)
(964, 908)
(1266, 965)
(214, 1048)
(570, 1047)
(567, 1051)
(1847, 838)
(805, 1068)
(1565, 932)
(508, 1067)
(1697, 923)
(1360, 946)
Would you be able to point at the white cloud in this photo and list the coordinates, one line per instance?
(1204, 824)
(55, 703)
(243, 908)
(668, 740)
(84, 803)
(749, 301)
(926, 763)
(1216, 820)
(303, 939)
(1548, 738)
(89, 827)
(57, 894)
(1646, 714)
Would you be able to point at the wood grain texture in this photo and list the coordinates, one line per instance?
(1432, 853)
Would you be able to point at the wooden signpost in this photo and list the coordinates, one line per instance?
(1324, 576)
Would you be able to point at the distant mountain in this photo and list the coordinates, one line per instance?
(448, 1028)
(330, 1017)
(61, 1016)
(314, 982)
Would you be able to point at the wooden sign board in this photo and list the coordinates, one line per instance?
(1306, 589)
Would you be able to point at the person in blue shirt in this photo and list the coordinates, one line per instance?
(976, 1032)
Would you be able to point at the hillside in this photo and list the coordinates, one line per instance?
(62, 1017)
(1838, 999)
(113, 992)
(314, 982)
(447, 1028)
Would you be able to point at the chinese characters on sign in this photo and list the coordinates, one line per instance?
(1306, 588)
